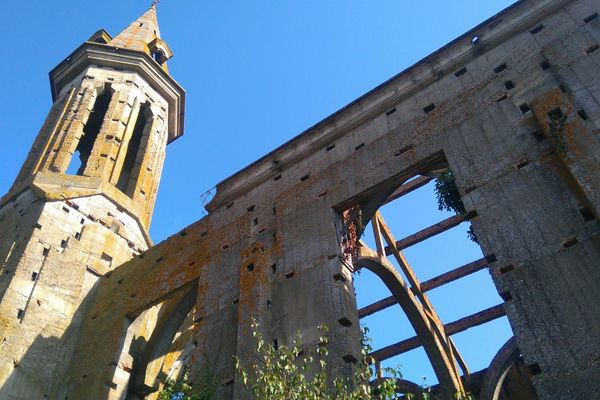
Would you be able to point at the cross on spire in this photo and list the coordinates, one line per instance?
(155, 3)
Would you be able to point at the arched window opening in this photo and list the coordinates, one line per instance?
(159, 51)
(159, 56)
(90, 133)
(157, 344)
(430, 264)
(129, 172)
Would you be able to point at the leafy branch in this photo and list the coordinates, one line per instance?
(449, 199)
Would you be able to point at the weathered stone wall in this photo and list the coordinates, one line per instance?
(53, 150)
(61, 249)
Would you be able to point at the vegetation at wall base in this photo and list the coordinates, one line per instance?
(300, 372)
(183, 389)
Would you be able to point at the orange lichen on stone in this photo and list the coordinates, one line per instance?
(140, 33)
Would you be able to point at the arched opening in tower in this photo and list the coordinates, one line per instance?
(159, 56)
(130, 172)
(90, 133)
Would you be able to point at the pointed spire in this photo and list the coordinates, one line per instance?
(140, 33)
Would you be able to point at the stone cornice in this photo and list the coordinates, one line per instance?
(57, 187)
(511, 21)
(102, 55)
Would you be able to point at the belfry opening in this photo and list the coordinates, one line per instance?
(129, 170)
(90, 133)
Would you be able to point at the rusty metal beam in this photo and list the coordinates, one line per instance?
(436, 327)
(429, 331)
(455, 274)
(409, 187)
(433, 283)
(377, 306)
(377, 235)
(452, 328)
(426, 233)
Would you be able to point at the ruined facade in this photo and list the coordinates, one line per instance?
(91, 310)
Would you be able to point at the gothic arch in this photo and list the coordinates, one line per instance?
(148, 340)
(93, 124)
(407, 291)
(435, 348)
(147, 369)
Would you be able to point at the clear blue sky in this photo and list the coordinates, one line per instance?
(258, 73)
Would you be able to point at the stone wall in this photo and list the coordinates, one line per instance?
(59, 251)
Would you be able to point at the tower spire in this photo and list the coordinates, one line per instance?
(141, 33)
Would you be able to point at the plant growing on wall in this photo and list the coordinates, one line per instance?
(556, 128)
(449, 199)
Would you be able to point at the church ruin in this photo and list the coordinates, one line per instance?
(91, 309)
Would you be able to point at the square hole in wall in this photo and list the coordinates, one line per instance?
(429, 108)
(500, 68)
(524, 108)
(590, 18)
(537, 29)
(460, 72)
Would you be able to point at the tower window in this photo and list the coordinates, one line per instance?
(159, 51)
(130, 172)
(159, 56)
(90, 133)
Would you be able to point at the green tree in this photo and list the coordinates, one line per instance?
(300, 372)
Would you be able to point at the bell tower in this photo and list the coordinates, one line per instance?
(82, 203)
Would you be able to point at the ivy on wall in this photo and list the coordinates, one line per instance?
(449, 199)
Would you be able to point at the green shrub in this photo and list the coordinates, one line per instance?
(300, 372)
(449, 199)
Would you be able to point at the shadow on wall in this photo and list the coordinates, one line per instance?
(40, 373)
(18, 223)
(136, 369)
